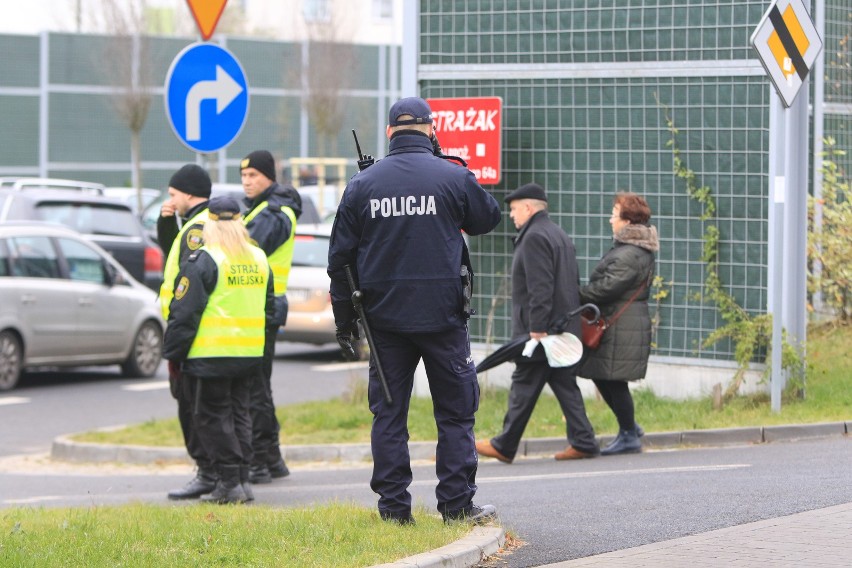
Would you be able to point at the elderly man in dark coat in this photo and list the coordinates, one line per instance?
(545, 287)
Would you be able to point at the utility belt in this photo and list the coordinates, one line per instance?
(466, 274)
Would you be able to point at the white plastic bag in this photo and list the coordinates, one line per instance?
(562, 350)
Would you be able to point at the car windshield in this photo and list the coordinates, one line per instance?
(92, 219)
(310, 250)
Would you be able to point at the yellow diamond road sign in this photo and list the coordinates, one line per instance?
(787, 43)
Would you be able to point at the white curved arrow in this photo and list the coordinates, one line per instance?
(224, 89)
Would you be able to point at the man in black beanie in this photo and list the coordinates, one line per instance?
(271, 222)
(189, 192)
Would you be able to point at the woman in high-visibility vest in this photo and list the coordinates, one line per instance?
(223, 301)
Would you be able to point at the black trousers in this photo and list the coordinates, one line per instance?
(223, 422)
(264, 424)
(617, 396)
(183, 390)
(455, 397)
(528, 380)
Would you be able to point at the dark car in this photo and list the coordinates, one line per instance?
(107, 222)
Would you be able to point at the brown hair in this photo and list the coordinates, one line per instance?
(634, 208)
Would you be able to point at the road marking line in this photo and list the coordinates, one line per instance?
(140, 387)
(29, 500)
(13, 400)
(330, 367)
(581, 474)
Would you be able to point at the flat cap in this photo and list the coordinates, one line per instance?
(528, 191)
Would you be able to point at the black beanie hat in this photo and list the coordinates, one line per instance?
(262, 161)
(192, 179)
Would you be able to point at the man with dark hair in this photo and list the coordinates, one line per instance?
(272, 211)
(398, 228)
(189, 192)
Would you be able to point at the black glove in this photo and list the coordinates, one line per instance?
(346, 322)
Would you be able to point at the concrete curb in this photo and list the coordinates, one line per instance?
(463, 553)
(66, 449)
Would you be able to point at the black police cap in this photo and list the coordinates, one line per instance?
(223, 208)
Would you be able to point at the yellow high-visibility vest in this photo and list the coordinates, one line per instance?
(282, 257)
(172, 267)
(234, 322)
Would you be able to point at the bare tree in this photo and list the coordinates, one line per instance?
(331, 64)
(126, 63)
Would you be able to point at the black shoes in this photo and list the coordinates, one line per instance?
(203, 483)
(228, 488)
(472, 514)
(259, 474)
(627, 442)
(262, 473)
(399, 518)
(278, 469)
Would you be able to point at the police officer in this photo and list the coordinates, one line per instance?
(189, 191)
(271, 222)
(399, 227)
(223, 303)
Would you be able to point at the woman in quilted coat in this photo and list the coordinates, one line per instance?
(624, 272)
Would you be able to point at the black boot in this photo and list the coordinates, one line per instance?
(278, 469)
(244, 482)
(259, 474)
(228, 488)
(203, 483)
(627, 442)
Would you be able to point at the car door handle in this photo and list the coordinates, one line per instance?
(28, 299)
(84, 301)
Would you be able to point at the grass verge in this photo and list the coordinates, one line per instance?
(335, 534)
(347, 419)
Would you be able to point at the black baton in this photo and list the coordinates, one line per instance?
(357, 298)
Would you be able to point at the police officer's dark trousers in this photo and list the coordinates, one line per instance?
(223, 420)
(183, 389)
(264, 423)
(455, 395)
(528, 380)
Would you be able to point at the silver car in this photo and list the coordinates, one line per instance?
(64, 301)
(310, 318)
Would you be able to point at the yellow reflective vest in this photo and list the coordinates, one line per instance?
(282, 257)
(233, 323)
(172, 268)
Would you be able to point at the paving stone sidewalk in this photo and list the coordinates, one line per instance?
(821, 538)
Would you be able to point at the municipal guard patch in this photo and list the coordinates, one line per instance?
(182, 288)
(193, 239)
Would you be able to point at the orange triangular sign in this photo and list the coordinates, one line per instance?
(206, 14)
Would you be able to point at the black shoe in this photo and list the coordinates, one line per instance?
(627, 442)
(245, 483)
(639, 430)
(259, 474)
(400, 518)
(472, 514)
(203, 483)
(278, 469)
(228, 489)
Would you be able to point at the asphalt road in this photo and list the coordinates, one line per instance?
(562, 510)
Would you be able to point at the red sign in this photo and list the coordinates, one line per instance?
(470, 129)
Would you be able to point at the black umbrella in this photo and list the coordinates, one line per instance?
(513, 349)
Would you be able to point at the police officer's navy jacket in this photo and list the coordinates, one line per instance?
(197, 281)
(271, 228)
(399, 226)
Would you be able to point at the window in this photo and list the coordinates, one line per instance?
(4, 259)
(316, 11)
(84, 263)
(33, 257)
(90, 218)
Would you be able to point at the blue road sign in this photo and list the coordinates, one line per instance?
(206, 97)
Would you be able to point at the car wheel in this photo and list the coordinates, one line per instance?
(146, 352)
(11, 359)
